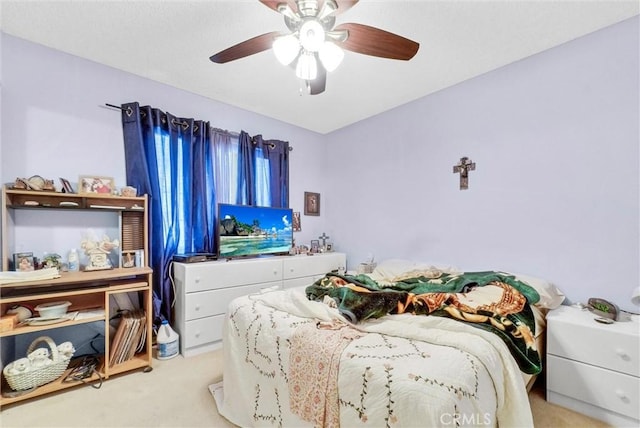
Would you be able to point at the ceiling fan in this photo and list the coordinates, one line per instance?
(314, 46)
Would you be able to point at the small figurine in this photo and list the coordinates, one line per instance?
(51, 260)
(98, 252)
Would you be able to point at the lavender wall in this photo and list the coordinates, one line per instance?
(556, 190)
(56, 125)
(555, 138)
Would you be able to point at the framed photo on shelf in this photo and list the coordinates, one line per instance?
(66, 186)
(311, 203)
(315, 246)
(90, 184)
(129, 259)
(23, 262)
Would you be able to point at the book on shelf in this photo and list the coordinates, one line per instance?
(129, 334)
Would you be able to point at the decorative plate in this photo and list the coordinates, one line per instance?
(36, 182)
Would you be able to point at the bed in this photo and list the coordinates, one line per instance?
(407, 345)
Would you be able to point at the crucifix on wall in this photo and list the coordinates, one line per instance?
(463, 167)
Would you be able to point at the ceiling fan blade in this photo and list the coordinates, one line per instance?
(317, 85)
(376, 42)
(246, 48)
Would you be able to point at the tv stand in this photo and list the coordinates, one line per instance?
(204, 290)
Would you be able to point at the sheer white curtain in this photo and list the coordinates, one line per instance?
(225, 166)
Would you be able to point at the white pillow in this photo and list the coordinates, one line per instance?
(550, 296)
(389, 270)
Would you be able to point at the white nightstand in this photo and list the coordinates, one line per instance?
(594, 368)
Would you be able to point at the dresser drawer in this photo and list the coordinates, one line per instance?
(304, 281)
(576, 336)
(302, 266)
(617, 392)
(222, 274)
(215, 302)
(202, 331)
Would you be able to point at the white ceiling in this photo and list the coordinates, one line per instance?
(171, 42)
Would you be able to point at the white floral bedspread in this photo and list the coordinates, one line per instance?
(408, 371)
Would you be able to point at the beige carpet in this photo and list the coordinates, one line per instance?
(176, 394)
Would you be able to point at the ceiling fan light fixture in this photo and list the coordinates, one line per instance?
(286, 11)
(328, 8)
(307, 67)
(330, 55)
(286, 48)
(311, 35)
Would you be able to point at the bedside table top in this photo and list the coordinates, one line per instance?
(584, 317)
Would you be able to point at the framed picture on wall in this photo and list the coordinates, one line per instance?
(311, 203)
(297, 226)
(96, 184)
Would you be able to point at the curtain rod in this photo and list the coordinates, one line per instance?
(114, 106)
(230, 132)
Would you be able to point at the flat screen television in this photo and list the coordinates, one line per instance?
(247, 230)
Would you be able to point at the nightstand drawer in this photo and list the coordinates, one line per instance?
(575, 335)
(617, 392)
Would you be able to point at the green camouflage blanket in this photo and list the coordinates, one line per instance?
(492, 301)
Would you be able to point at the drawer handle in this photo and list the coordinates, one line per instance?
(621, 395)
(197, 307)
(197, 280)
(197, 334)
(622, 354)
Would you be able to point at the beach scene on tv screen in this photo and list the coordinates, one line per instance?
(250, 231)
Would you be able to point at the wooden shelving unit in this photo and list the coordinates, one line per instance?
(90, 292)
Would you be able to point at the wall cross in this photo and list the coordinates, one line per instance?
(463, 167)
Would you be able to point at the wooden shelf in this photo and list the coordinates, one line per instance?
(86, 290)
(10, 397)
(24, 329)
(31, 199)
(93, 276)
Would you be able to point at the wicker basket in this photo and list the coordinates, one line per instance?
(37, 376)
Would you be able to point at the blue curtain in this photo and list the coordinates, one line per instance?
(169, 159)
(276, 152)
(183, 164)
(275, 157)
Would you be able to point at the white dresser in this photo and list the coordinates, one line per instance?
(594, 368)
(204, 290)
